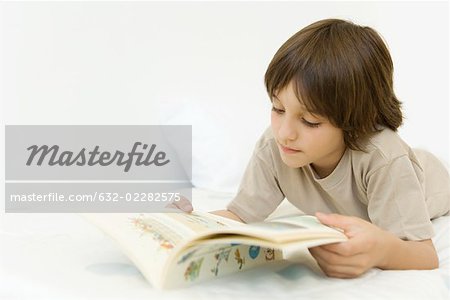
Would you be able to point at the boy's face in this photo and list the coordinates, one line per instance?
(314, 139)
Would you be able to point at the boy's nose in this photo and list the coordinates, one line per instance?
(287, 131)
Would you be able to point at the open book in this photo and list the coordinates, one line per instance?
(177, 249)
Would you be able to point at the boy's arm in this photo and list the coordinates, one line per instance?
(227, 214)
(404, 255)
(369, 246)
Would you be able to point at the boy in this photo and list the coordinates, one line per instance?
(332, 150)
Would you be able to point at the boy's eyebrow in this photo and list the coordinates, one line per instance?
(274, 97)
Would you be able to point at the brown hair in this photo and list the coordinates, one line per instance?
(341, 71)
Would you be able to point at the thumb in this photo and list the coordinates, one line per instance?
(335, 220)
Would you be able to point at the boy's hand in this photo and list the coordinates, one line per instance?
(365, 249)
(183, 204)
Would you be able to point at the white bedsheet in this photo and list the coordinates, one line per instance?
(61, 256)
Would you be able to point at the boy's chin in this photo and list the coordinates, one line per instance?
(293, 163)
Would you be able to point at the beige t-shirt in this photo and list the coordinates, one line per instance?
(389, 185)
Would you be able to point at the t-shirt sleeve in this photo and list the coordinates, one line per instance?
(259, 193)
(396, 200)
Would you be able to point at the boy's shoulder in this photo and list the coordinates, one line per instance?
(381, 149)
(266, 140)
(388, 144)
(266, 148)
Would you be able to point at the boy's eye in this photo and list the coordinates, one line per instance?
(278, 111)
(310, 124)
(307, 123)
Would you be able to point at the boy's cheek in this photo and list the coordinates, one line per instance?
(275, 125)
(273, 121)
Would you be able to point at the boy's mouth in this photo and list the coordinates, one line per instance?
(288, 150)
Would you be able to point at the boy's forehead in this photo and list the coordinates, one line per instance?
(276, 99)
(302, 108)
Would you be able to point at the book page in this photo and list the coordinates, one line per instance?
(147, 244)
(149, 239)
(305, 221)
(192, 224)
(279, 230)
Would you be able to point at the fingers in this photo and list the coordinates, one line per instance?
(185, 205)
(182, 204)
(335, 265)
(342, 251)
(345, 249)
(336, 220)
(339, 271)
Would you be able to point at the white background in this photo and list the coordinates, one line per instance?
(137, 63)
(198, 63)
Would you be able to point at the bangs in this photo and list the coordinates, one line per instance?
(309, 80)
